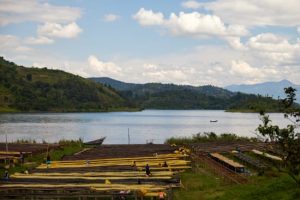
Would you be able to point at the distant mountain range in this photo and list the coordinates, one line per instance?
(118, 85)
(271, 89)
(159, 87)
(171, 96)
(24, 89)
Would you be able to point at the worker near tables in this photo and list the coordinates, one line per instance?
(161, 195)
(6, 175)
(48, 160)
(238, 149)
(21, 158)
(133, 164)
(165, 164)
(147, 169)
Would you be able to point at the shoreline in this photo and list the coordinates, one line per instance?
(75, 111)
(130, 110)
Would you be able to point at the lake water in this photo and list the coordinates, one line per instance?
(144, 126)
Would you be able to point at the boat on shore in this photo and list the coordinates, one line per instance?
(95, 142)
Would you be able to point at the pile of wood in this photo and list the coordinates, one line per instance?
(113, 175)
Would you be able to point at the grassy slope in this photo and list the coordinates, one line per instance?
(52, 90)
(202, 185)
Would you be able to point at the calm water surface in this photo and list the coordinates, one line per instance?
(148, 125)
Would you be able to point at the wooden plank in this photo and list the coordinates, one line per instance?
(227, 160)
(32, 177)
(7, 157)
(17, 153)
(95, 186)
(116, 163)
(158, 157)
(266, 155)
(103, 174)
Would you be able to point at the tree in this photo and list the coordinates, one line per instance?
(287, 140)
(29, 77)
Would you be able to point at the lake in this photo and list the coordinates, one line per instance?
(145, 126)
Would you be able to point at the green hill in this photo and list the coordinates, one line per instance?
(118, 85)
(171, 96)
(34, 89)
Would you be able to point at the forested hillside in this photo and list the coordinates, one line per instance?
(171, 96)
(34, 89)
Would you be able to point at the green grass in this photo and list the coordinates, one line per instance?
(196, 186)
(265, 188)
(204, 186)
(207, 137)
(7, 110)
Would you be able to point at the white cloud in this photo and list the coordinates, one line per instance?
(235, 43)
(7, 41)
(10, 43)
(166, 76)
(58, 21)
(256, 12)
(207, 64)
(191, 4)
(150, 67)
(275, 48)
(101, 68)
(298, 29)
(39, 40)
(269, 42)
(40, 65)
(241, 67)
(218, 69)
(148, 17)
(15, 11)
(111, 17)
(251, 74)
(199, 24)
(190, 24)
(60, 31)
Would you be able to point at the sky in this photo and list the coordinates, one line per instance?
(218, 42)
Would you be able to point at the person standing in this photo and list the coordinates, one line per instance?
(161, 195)
(147, 169)
(21, 158)
(6, 175)
(48, 160)
(165, 164)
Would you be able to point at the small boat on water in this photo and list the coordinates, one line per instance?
(95, 142)
(213, 120)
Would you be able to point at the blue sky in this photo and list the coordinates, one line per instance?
(217, 42)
